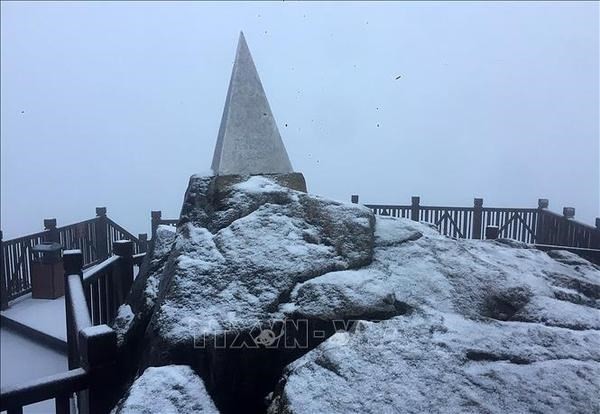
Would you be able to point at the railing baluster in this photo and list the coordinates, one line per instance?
(110, 294)
(87, 291)
(62, 404)
(3, 281)
(103, 298)
(95, 294)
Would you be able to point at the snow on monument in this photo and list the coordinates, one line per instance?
(248, 141)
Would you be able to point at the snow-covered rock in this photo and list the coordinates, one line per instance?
(151, 275)
(368, 315)
(239, 254)
(435, 362)
(488, 327)
(416, 266)
(171, 389)
(133, 316)
(242, 245)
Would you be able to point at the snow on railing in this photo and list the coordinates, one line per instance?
(91, 302)
(94, 237)
(529, 225)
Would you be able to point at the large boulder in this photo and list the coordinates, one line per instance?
(171, 389)
(239, 255)
(434, 362)
(242, 245)
(266, 291)
(133, 316)
(489, 327)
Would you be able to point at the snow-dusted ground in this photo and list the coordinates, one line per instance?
(44, 315)
(23, 360)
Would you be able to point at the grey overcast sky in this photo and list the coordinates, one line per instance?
(117, 104)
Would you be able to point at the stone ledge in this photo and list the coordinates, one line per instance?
(294, 181)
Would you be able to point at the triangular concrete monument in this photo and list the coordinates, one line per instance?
(249, 141)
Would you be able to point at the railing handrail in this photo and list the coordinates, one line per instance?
(94, 272)
(45, 232)
(558, 247)
(79, 223)
(388, 206)
(45, 388)
(122, 230)
(571, 220)
(81, 319)
(424, 206)
(511, 209)
(24, 238)
(430, 208)
(138, 258)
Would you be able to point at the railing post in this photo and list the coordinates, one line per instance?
(3, 281)
(492, 232)
(52, 233)
(563, 229)
(569, 212)
(477, 217)
(72, 263)
(98, 346)
(414, 208)
(354, 198)
(155, 217)
(101, 234)
(541, 224)
(124, 249)
(142, 243)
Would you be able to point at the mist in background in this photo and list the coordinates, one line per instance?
(117, 104)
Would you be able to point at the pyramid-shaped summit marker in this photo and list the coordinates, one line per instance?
(248, 141)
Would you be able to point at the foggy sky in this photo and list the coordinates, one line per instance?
(117, 104)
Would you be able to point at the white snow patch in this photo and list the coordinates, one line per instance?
(123, 321)
(204, 173)
(171, 389)
(44, 315)
(258, 184)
